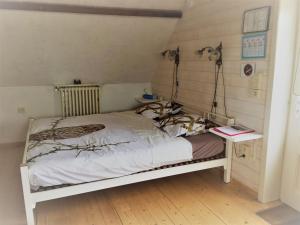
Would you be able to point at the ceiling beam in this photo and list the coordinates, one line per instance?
(80, 9)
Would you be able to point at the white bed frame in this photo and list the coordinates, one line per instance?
(31, 198)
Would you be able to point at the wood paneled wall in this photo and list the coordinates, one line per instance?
(206, 23)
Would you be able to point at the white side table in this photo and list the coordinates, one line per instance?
(237, 138)
(229, 147)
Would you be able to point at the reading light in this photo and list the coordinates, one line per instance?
(173, 55)
(215, 54)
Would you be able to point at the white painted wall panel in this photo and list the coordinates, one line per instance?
(39, 50)
(43, 101)
(47, 48)
(122, 96)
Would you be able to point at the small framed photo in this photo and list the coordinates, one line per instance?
(254, 46)
(248, 69)
(256, 20)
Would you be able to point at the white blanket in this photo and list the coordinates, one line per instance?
(131, 144)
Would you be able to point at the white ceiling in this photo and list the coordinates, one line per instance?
(39, 48)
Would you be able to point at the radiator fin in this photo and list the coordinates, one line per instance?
(79, 100)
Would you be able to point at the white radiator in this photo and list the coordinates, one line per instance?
(79, 100)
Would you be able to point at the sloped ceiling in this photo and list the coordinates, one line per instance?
(38, 48)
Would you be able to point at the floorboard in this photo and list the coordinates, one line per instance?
(200, 198)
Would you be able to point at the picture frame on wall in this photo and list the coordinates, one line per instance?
(254, 46)
(256, 20)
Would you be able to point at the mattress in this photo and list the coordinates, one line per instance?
(206, 145)
(142, 147)
(90, 148)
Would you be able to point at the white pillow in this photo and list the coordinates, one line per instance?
(182, 125)
(155, 109)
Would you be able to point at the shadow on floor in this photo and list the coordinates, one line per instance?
(11, 199)
(281, 215)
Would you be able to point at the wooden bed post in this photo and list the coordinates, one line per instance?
(227, 168)
(29, 203)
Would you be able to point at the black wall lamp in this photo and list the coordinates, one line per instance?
(173, 55)
(215, 54)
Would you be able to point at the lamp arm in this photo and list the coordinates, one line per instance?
(208, 48)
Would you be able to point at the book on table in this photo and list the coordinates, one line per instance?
(234, 130)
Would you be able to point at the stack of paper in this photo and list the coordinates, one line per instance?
(234, 130)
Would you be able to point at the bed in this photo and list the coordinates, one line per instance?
(75, 155)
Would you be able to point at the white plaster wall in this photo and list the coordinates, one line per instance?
(43, 101)
(36, 100)
(279, 102)
(120, 97)
(39, 50)
(48, 48)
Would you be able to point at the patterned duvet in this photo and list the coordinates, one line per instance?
(89, 148)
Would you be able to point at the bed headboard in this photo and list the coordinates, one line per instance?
(79, 100)
(216, 118)
(219, 119)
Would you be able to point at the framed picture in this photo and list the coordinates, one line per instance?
(248, 69)
(254, 45)
(256, 20)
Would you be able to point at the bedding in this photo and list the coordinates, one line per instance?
(183, 124)
(156, 109)
(89, 148)
(206, 145)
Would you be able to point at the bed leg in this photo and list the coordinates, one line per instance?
(227, 168)
(29, 203)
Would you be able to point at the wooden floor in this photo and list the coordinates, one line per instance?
(197, 198)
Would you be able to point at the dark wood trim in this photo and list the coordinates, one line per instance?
(65, 8)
